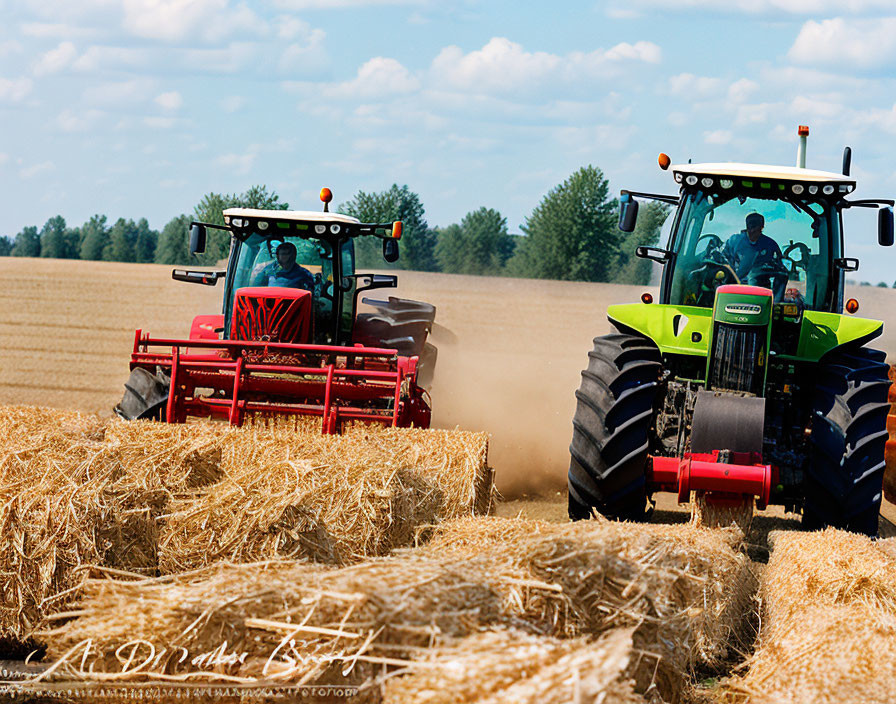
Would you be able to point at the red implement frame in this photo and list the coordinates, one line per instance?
(704, 472)
(227, 379)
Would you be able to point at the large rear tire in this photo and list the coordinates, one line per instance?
(844, 474)
(616, 408)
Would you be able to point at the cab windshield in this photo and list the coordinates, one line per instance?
(264, 260)
(729, 238)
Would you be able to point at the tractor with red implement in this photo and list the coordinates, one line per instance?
(290, 340)
(745, 381)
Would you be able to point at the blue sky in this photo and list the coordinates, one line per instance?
(136, 108)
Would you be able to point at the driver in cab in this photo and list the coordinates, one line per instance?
(285, 272)
(749, 250)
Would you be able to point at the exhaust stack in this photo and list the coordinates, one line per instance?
(803, 132)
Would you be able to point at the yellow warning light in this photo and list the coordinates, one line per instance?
(664, 161)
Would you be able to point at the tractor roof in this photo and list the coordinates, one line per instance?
(781, 173)
(290, 215)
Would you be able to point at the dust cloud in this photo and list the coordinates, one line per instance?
(510, 356)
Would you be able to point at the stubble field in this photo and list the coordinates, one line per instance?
(510, 350)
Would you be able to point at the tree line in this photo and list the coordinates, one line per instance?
(571, 235)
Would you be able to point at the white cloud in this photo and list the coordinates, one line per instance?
(757, 7)
(305, 52)
(336, 4)
(503, 66)
(78, 120)
(110, 57)
(849, 44)
(877, 119)
(117, 92)
(160, 123)
(810, 109)
(55, 30)
(718, 137)
(171, 100)
(14, 90)
(380, 77)
(230, 59)
(56, 59)
(37, 169)
(689, 86)
(175, 20)
(740, 91)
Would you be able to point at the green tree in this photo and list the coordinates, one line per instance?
(882, 284)
(174, 241)
(5, 246)
(477, 246)
(629, 268)
(398, 203)
(94, 236)
(210, 209)
(450, 242)
(57, 241)
(145, 242)
(122, 241)
(27, 243)
(572, 234)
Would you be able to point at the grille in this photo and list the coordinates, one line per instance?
(736, 355)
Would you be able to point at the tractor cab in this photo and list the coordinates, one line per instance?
(778, 228)
(291, 274)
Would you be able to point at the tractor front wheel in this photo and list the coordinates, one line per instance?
(616, 407)
(844, 473)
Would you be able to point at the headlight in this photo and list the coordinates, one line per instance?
(335, 229)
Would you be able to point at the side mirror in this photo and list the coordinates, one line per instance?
(655, 253)
(390, 250)
(197, 238)
(847, 263)
(885, 227)
(628, 213)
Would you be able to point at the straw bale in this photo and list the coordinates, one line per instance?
(48, 514)
(169, 456)
(455, 461)
(831, 654)
(712, 514)
(303, 617)
(327, 498)
(824, 568)
(687, 591)
(609, 569)
(511, 666)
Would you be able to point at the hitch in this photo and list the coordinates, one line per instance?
(741, 473)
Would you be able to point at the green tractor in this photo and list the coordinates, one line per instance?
(745, 381)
